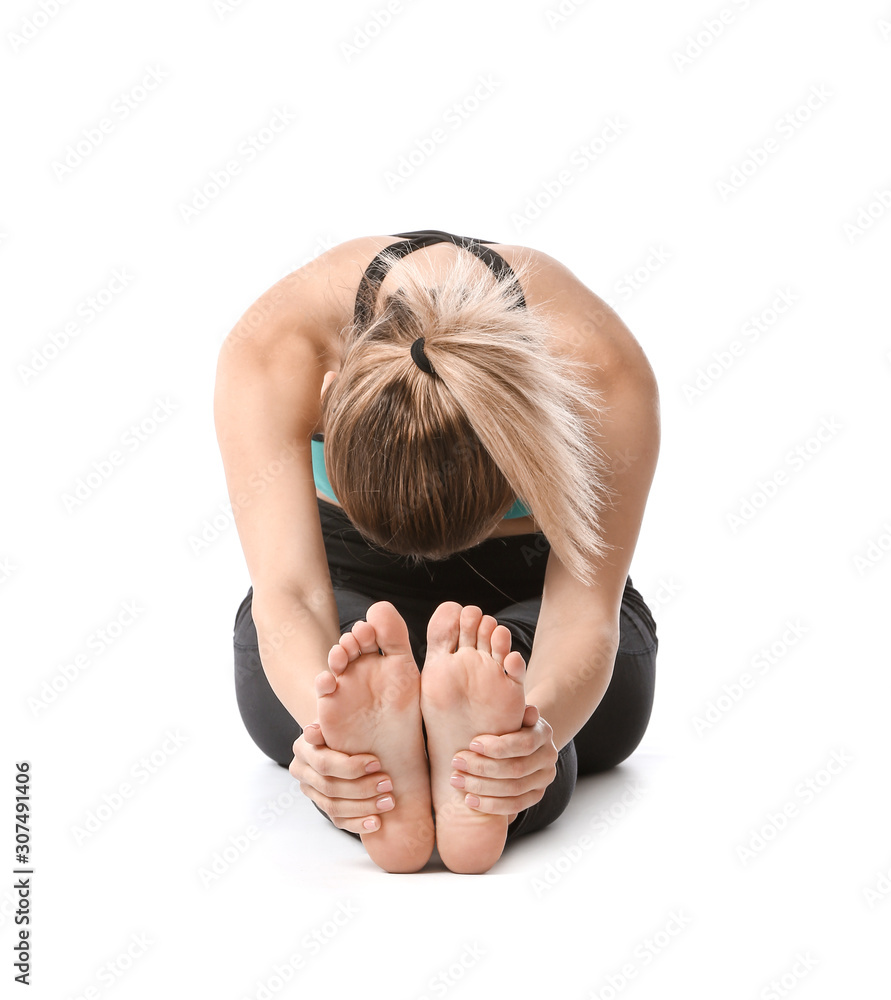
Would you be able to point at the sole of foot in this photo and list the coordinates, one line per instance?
(369, 702)
(471, 685)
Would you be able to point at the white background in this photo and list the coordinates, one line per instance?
(644, 887)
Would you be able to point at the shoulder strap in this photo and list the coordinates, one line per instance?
(366, 294)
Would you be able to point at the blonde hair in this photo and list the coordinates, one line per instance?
(427, 465)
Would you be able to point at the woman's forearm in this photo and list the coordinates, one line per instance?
(568, 674)
(295, 635)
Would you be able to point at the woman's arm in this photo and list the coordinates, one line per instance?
(266, 407)
(577, 634)
(578, 627)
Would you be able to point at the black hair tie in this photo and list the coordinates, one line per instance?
(420, 358)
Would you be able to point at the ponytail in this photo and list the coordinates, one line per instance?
(426, 463)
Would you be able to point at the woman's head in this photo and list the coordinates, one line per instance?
(426, 465)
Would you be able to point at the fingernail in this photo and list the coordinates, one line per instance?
(472, 801)
(375, 765)
(459, 764)
(370, 824)
(457, 780)
(385, 803)
(476, 745)
(385, 786)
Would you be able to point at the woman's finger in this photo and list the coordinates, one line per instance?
(510, 767)
(333, 762)
(369, 786)
(313, 735)
(517, 744)
(503, 787)
(345, 809)
(503, 807)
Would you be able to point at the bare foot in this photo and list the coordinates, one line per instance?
(369, 703)
(471, 684)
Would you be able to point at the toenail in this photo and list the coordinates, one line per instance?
(457, 780)
(459, 764)
(385, 803)
(385, 786)
(472, 801)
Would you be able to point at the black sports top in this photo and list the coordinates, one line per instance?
(377, 269)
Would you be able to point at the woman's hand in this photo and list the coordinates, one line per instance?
(504, 775)
(350, 788)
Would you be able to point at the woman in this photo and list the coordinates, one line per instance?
(439, 449)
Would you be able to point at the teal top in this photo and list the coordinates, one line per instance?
(320, 475)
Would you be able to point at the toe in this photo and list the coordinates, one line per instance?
(501, 639)
(484, 634)
(350, 645)
(470, 623)
(515, 666)
(326, 683)
(443, 628)
(365, 636)
(390, 629)
(338, 659)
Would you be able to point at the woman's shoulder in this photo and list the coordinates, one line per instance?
(320, 296)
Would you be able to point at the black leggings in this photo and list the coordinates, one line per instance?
(504, 577)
